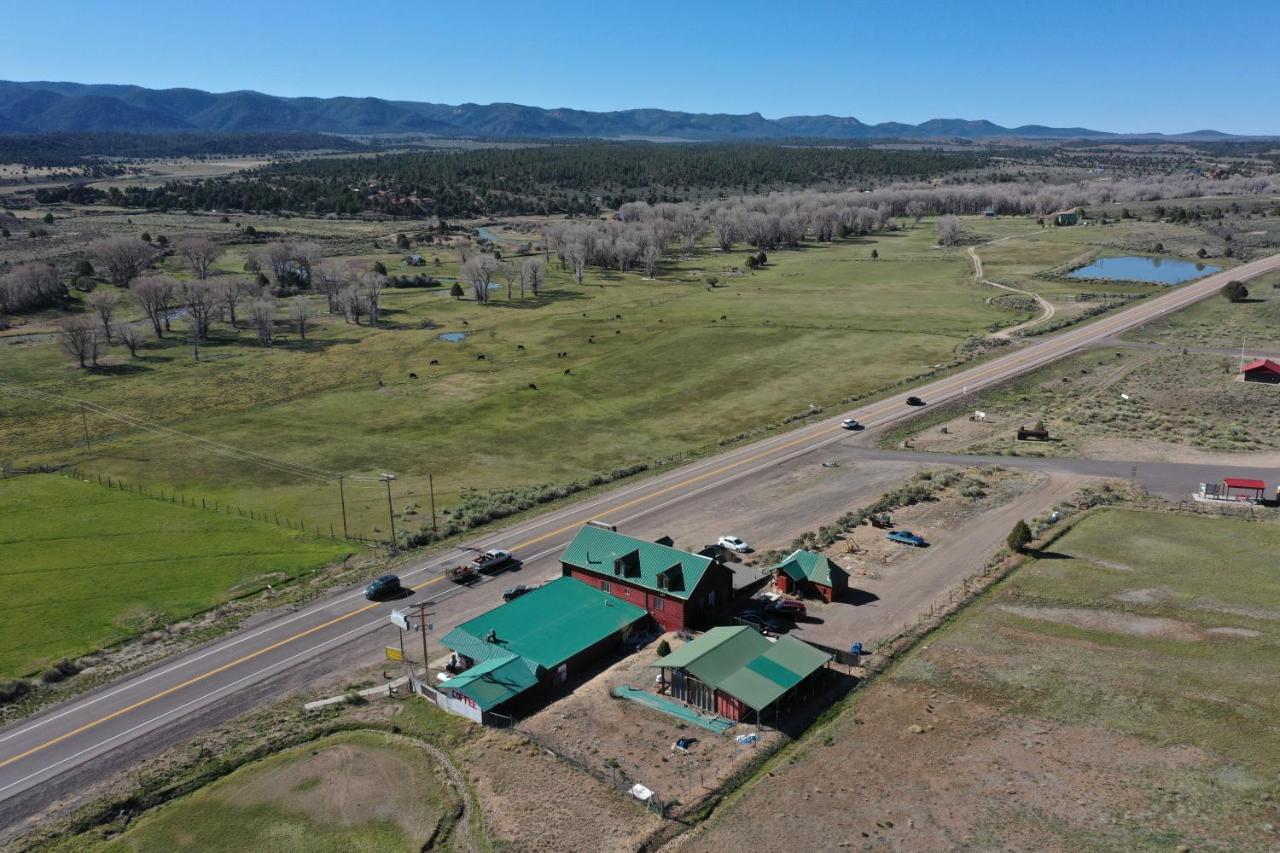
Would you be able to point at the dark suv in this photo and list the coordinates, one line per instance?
(383, 587)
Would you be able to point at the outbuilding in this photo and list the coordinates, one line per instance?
(741, 675)
(811, 573)
(1261, 370)
(1244, 489)
(678, 589)
(537, 639)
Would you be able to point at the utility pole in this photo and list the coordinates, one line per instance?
(342, 498)
(84, 421)
(431, 487)
(422, 627)
(391, 513)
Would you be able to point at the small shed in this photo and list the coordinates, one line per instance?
(1066, 217)
(1261, 370)
(810, 573)
(1244, 489)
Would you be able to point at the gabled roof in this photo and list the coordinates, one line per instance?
(493, 682)
(811, 566)
(1261, 364)
(745, 664)
(546, 626)
(660, 568)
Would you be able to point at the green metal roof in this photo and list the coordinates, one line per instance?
(747, 665)
(493, 682)
(546, 626)
(811, 566)
(660, 568)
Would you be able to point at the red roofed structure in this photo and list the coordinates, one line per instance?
(1256, 488)
(1262, 370)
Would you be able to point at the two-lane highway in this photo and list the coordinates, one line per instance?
(131, 715)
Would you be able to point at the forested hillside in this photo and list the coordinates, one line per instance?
(554, 179)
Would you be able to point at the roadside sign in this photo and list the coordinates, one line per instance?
(400, 619)
(394, 654)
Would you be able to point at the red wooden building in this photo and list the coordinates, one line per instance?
(1262, 370)
(679, 590)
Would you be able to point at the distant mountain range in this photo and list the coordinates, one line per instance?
(61, 107)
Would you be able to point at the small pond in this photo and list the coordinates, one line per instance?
(452, 337)
(1142, 268)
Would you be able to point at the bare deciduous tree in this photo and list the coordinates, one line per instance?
(948, 230)
(124, 258)
(299, 314)
(230, 291)
(511, 273)
(532, 275)
(371, 287)
(262, 313)
(130, 334)
(330, 278)
(724, 222)
(200, 254)
(200, 299)
(79, 339)
(353, 304)
(104, 303)
(155, 294)
(29, 286)
(649, 258)
(576, 254)
(478, 271)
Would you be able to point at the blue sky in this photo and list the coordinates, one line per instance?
(1122, 65)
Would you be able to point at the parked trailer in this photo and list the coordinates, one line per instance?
(465, 573)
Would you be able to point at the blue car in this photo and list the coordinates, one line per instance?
(906, 537)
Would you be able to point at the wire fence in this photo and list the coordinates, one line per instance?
(173, 496)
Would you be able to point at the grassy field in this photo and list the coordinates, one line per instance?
(1114, 694)
(1172, 399)
(657, 367)
(82, 566)
(653, 368)
(351, 792)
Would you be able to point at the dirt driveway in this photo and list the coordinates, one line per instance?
(901, 591)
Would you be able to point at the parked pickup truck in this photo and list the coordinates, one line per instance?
(493, 560)
(484, 562)
(906, 537)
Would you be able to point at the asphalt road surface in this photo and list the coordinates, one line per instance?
(57, 753)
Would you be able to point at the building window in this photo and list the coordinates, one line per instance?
(657, 602)
(605, 586)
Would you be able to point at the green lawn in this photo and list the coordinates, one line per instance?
(359, 791)
(82, 566)
(817, 325)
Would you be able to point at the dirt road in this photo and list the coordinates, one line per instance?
(1046, 307)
